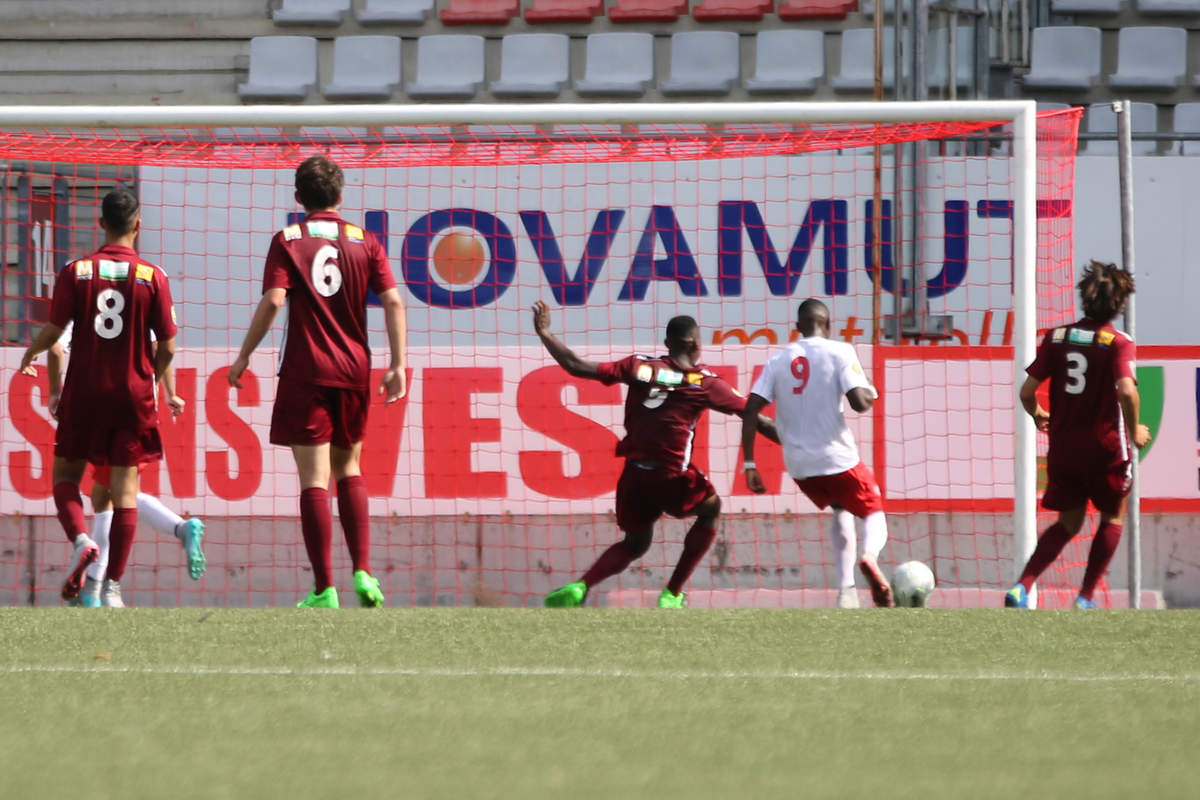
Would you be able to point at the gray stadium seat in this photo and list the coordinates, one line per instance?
(703, 62)
(1150, 58)
(1172, 7)
(448, 65)
(311, 12)
(1101, 118)
(788, 60)
(1064, 57)
(617, 64)
(1187, 120)
(856, 71)
(939, 51)
(281, 67)
(388, 12)
(533, 65)
(1086, 6)
(364, 66)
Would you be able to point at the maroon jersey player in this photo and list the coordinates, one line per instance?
(1092, 421)
(107, 413)
(665, 399)
(322, 268)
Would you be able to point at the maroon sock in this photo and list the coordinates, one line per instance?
(1049, 546)
(695, 545)
(70, 508)
(317, 525)
(356, 523)
(613, 560)
(1103, 547)
(120, 541)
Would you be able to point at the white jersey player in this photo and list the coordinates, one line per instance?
(807, 380)
(189, 531)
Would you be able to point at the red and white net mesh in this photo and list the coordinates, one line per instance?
(492, 482)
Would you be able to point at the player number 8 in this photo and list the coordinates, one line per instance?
(109, 305)
(326, 276)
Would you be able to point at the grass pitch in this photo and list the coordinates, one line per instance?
(483, 703)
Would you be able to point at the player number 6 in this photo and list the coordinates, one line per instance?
(326, 276)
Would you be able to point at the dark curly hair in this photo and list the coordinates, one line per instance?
(1103, 289)
(319, 183)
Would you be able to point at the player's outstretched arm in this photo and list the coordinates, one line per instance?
(394, 384)
(54, 372)
(1028, 396)
(766, 426)
(46, 338)
(1131, 401)
(566, 358)
(164, 354)
(750, 429)
(264, 318)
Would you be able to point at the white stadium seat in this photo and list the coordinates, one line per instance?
(533, 65)
(448, 65)
(788, 60)
(617, 64)
(364, 66)
(281, 67)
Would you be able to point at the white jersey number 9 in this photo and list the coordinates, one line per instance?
(326, 276)
(109, 305)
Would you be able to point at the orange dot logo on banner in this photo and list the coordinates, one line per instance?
(458, 258)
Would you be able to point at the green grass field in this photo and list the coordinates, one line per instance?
(482, 703)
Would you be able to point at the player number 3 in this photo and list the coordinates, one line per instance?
(109, 305)
(326, 276)
(1077, 365)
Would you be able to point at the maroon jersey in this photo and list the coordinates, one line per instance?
(663, 404)
(115, 298)
(326, 266)
(1083, 362)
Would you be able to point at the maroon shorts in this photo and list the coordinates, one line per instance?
(854, 490)
(644, 495)
(102, 474)
(308, 414)
(1068, 487)
(118, 447)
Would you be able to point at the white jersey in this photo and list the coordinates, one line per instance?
(807, 381)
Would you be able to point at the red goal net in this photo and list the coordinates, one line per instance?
(492, 482)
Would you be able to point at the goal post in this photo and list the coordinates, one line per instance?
(494, 481)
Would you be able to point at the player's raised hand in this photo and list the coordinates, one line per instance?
(177, 404)
(235, 371)
(754, 481)
(541, 317)
(394, 385)
(1141, 436)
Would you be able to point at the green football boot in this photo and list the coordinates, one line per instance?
(326, 599)
(669, 600)
(367, 588)
(569, 596)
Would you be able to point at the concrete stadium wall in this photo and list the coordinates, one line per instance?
(487, 561)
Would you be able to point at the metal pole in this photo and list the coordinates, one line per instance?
(1125, 170)
(916, 183)
(1024, 334)
(877, 187)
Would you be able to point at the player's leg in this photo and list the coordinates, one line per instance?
(67, 473)
(635, 517)
(1110, 495)
(189, 532)
(356, 521)
(1050, 544)
(857, 491)
(874, 538)
(685, 491)
(316, 523)
(845, 547)
(102, 514)
(123, 488)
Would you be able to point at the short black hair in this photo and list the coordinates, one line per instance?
(1104, 289)
(319, 183)
(813, 309)
(679, 327)
(119, 210)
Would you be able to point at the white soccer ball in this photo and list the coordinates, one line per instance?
(912, 583)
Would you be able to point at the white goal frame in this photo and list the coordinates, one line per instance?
(1022, 115)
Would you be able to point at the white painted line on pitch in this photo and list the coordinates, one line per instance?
(567, 672)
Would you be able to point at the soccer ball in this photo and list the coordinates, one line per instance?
(912, 584)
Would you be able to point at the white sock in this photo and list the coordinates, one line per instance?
(874, 534)
(156, 515)
(844, 545)
(101, 525)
